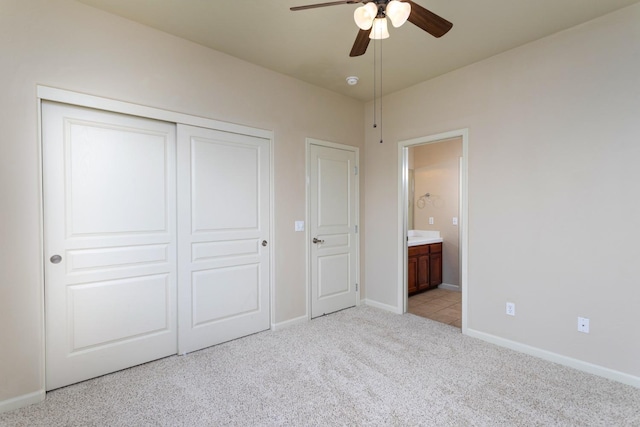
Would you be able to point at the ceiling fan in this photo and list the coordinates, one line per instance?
(372, 16)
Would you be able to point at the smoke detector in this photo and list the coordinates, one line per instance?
(352, 80)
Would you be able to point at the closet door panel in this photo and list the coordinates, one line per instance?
(109, 184)
(224, 251)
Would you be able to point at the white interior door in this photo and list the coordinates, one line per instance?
(224, 248)
(333, 221)
(110, 241)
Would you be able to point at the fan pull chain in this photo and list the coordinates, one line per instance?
(380, 91)
(375, 44)
(375, 85)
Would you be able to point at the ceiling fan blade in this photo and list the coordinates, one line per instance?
(331, 3)
(361, 43)
(428, 21)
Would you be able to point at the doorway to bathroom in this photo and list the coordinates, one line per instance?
(432, 226)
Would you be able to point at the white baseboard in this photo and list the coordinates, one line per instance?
(22, 401)
(290, 322)
(382, 306)
(449, 287)
(580, 365)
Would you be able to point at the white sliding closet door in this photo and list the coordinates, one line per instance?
(110, 241)
(223, 229)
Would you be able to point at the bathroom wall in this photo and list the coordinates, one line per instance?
(437, 172)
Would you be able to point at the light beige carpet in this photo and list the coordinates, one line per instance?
(361, 366)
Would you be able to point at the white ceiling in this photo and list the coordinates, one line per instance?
(313, 45)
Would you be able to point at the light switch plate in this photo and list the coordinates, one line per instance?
(299, 225)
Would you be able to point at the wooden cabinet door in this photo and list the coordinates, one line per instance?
(412, 275)
(423, 272)
(435, 269)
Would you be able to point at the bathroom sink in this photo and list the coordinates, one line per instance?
(423, 237)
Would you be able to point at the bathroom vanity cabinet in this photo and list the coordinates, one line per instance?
(425, 267)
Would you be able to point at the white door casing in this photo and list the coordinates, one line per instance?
(333, 216)
(109, 202)
(223, 236)
(463, 219)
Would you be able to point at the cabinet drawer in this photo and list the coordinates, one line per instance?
(419, 250)
(435, 247)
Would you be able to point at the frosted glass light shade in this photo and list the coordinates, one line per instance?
(379, 30)
(364, 15)
(398, 12)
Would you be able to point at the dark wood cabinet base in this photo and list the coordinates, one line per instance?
(425, 267)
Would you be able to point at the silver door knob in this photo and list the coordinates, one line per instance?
(264, 243)
(316, 240)
(55, 259)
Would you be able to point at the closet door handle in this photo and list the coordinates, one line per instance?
(264, 243)
(55, 259)
(315, 240)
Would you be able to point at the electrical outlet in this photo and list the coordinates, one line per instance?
(430, 220)
(511, 309)
(583, 325)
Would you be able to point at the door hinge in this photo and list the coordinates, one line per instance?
(356, 229)
(355, 170)
(356, 287)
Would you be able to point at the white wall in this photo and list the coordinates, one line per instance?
(64, 44)
(553, 174)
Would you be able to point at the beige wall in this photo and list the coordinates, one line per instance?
(553, 157)
(553, 177)
(63, 44)
(437, 172)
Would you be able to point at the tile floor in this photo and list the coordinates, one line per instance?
(438, 304)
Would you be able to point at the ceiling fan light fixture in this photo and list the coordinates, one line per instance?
(379, 30)
(364, 15)
(398, 12)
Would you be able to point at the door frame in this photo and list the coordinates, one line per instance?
(403, 182)
(47, 93)
(307, 233)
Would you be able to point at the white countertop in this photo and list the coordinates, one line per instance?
(423, 237)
